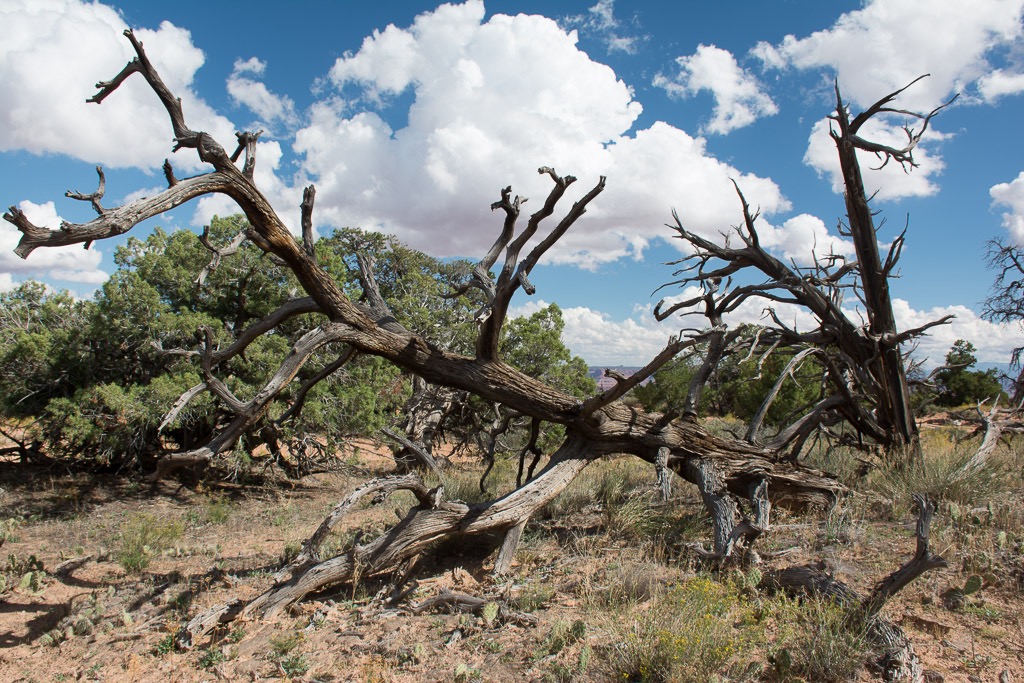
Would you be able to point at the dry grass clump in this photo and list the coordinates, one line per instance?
(697, 631)
(816, 641)
(143, 537)
(944, 475)
(723, 629)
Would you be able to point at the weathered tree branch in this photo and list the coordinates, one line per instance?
(923, 560)
(308, 197)
(723, 468)
(113, 222)
(93, 197)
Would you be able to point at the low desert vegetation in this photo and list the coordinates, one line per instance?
(605, 587)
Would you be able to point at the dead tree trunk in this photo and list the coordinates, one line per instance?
(882, 356)
(861, 363)
(722, 468)
(432, 519)
(425, 411)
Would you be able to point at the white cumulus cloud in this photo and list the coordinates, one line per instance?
(890, 181)
(1011, 195)
(270, 108)
(7, 282)
(994, 341)
(739, 97)
(888, 43)
(803, 239)
(55, 50)
(492, 101)
(70, 264)
(602, 339)
(1000, 83)
(600, 20)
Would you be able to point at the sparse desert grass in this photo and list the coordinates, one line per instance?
(816, 641)
(214, 509)
(693, 632)
(143, 537)
(463, 483)
(720, 628)
(283, 654)
(602, 485)
(622, 585)
(604, 570)
(943, 476)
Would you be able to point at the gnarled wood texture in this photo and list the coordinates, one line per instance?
(722, 468)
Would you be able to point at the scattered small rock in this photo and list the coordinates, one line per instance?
(954, 599)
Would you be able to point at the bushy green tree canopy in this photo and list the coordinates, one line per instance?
(959, 385)
(93, 380)
(738, 385)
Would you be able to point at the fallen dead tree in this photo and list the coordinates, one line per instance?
(863, 381)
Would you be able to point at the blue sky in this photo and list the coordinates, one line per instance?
(409, 117)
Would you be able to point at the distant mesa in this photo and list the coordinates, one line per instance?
(605, 383)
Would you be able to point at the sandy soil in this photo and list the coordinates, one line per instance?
(88, 619)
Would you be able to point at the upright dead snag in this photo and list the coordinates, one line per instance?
(861, 363)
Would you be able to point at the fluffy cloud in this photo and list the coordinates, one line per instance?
(603, 340)
(1000, 83)
(994, 341)
(52, 53)
(739, 99)
(888, 43)
(269, 107)
(69, 264)
(1012, 195)
(492, 101)
(890, 181)
(802, 239)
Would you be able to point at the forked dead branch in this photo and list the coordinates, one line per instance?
(862, 374)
